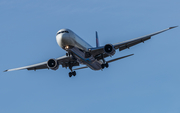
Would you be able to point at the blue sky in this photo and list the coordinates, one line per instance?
(147, 82)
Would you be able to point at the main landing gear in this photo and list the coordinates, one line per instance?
(72, 73)
(104, 65)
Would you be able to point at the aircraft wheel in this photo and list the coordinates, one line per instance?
(102, 66)
(74, 73)
(67, 54)
(107, 65)
(70, 74)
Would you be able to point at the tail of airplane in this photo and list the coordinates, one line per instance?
(97, 40)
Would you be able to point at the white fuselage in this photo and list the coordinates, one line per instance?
(66, 38)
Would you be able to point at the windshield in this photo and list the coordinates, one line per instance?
(62, 32)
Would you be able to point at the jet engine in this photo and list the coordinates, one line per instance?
(109, 49)
(53, 64)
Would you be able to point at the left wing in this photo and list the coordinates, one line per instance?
(127, 44)
(64, 61)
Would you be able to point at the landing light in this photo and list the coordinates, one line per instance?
(66, 47)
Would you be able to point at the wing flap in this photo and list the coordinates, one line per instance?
(131, 43)
(38, 67)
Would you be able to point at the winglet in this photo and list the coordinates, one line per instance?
(173, 27)
(5, 70)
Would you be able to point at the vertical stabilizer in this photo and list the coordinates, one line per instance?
(97, 40)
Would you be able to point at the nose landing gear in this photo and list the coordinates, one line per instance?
(68, 54)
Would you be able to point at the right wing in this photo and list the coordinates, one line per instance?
(42, 65)
(64, 61)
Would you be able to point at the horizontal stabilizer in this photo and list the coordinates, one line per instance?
(80, 68)
(119, 58)
(107, 61)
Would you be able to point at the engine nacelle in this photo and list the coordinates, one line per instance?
(109, 49)
(53, 64)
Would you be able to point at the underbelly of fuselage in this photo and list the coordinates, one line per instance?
(91, 62)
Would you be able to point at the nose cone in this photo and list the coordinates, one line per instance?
(62, 39)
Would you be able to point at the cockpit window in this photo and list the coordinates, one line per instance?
(62, 32)
(65, 32)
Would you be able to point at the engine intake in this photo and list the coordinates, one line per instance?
(109, 49)
(53, 64)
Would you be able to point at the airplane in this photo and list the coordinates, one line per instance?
(79, 52)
